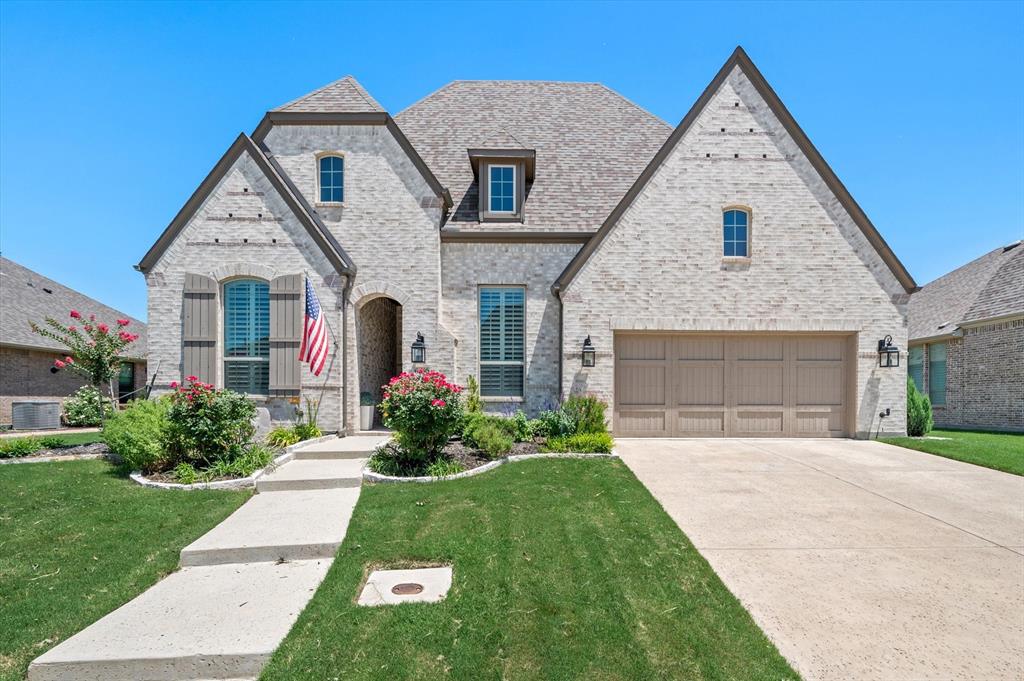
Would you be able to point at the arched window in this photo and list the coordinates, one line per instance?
(332, 179)
(736, 233)
(247, 336)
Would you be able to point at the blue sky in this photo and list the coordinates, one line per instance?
(111, 114)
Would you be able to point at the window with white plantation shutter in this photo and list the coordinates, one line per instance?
(247, 336)
(502, 341)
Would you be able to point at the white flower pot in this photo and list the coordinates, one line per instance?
(366, 417)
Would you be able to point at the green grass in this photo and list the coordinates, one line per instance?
(76, 541)
(1001, 451)
(72, 439)
(563, 569)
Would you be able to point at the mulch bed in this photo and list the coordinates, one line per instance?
(471, 458)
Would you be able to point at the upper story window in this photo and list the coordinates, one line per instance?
(332, 179)
(736, 231)
(502, 189)
(247, 336)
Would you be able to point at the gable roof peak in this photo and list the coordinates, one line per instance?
(344, 95)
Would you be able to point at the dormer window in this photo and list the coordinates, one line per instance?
(502, 189)
(331, 178)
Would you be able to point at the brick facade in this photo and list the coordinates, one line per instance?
(25, 375)
(984, 378)
(811, 268)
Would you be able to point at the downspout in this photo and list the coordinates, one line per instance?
(557, 291)
(345, 291)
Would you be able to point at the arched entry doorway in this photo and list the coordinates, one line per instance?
(380, 351)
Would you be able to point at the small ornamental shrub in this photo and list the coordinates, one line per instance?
(492, 439)
(186, 473)
(443, 467)
(306, 431)
(473, 405)
(19, 446)
(390, 460)
(282, 437)
(52, 442)
(424, 410)
(136, 434)
(520, 427)
(582, 443)
(919, 411)
(83, 408)
(555, 423)
(253, 458)
(366, 399)
(205, 425)
(588, 413)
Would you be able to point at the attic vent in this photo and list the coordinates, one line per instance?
(736, 104)
(723, 129)
(735, 155)
(231, 215)
(764, 155)
(707, 155)
(1011, 247)
(48, 290)
(245, 190)
(259, 215)
(751, 130)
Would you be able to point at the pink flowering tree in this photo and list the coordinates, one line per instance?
(94, 348)
(424, 410)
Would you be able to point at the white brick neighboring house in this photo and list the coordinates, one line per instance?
(727, 280)
(967, 342)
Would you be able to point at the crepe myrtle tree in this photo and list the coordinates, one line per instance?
(94, 350)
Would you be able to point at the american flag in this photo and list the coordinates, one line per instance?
(314, 334)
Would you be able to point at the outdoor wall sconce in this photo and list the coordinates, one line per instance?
(419, 350)
(589, 353)
(888, 354)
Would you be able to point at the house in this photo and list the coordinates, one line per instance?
(26, 358)
(967, 342)
(719, 275)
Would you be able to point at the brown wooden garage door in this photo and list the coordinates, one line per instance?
(692, 385)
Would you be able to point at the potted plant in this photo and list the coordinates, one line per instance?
(366, 408)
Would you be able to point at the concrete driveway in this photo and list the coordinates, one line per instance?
(859, 560)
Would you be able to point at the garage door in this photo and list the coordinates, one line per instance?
(692, 385)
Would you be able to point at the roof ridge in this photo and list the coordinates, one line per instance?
(348, 79)
(426, 97)
(636, 106)
(310, 94)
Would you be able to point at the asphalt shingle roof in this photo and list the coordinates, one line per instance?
(345, 95)
(990, 286)
(26, 296)
(591, 144)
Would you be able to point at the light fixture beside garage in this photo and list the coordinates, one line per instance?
(888, 354)
(419, 350)
(589, 353)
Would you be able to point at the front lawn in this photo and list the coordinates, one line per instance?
(563, 569)
(1001, 451)
(76, 542)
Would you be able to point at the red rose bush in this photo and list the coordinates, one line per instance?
(424, 409)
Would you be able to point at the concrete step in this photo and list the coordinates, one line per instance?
(296, 525)
(352, 447)
(212, 622)
(313, 474)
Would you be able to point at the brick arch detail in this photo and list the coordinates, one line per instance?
(241, 269)
(364, 293)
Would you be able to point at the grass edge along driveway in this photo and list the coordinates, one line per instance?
(999, 451)
(77, 541)
(563, 569)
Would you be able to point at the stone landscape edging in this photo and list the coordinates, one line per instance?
(370, 476)
(286, 455)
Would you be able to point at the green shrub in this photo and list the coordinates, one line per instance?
(384, 462)
(492, 439)
(588, 413)
(424, 410)
(282, 437)
(443, 467)
(555, 423)
(919, 411)
(52, 442)
(581, 443)
(520, 427)
(253, 458)
(83, 408)
(205, 425)
(19, 446)
(473, 405)
(186, 473)
(306, 431)
(136, 434)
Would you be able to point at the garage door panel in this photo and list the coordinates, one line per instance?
(758, 384)
(819, 384)
(700, 383)
(707, 385)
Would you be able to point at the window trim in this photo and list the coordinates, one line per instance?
(222, 340)
(480, 363)
(484, 190)
(320, 156)
(514, 167)
(749, 241)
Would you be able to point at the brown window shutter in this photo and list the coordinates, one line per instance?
(199, 328)
(286, 320)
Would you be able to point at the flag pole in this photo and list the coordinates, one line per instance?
(334, 354)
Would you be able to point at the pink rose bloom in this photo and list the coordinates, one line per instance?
(73, 329)
(68, 360)
(75, 314)
(174, 384)
(59, 364)
(123, 322)
(191, 379)
(103, 328)
(438, 403)
(88, 327)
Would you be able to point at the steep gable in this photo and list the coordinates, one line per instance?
(773, 133)
(343, 95)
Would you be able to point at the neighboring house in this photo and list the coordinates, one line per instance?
(967, 342)
(725, 277)
(26, 357)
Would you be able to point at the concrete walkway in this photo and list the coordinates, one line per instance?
(241, 586)
(859, 560)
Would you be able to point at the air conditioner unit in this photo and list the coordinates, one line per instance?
(35, 415)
